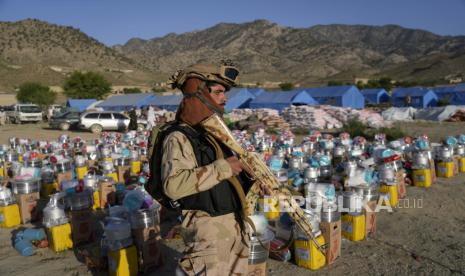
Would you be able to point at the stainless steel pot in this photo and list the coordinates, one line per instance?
(145, 218)
(387, 174)
(121, 161)
(6, 197)
(350, 167)
(78, 145)
(352, 202)
(143, 151)
(460, 150)
(80, 201)
(90, 182)
(311, 173)
(309, 147)
(80, 161)
(63, 166)
(330, 213)
(295, 163)
(11, 157)
(33, 163)
(134, 155)
(25, 186)
(106, 165)
(420, 160)
(325, 172)
(258, 254)
(281, 175)
(105, 152)
(339, 151)
(106, 179)
(444, 154)
(47, 176)
(369, 193)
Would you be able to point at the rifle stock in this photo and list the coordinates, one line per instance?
(262, 175)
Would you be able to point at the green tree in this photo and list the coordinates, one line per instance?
(335, 83)
(131, 90)
(158, 89)
(32, 92)
(385, 83)
(88, 85)
(286, 86)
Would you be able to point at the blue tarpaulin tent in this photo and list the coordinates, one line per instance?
(256, 91)
(419, 97)
(344, 96)
(238, 98)
(127, 101)
(79, 104)
(454, 95)
(168, 102)
(281, 99)
(375, 95)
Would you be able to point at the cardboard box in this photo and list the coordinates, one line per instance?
(433, 170)
(257, 269)
(123, 173)
(401, 187)
(65, 176)
(456, 164)
(107, 193)
(148, 243)
(144, 234)
(82, 226)
(91, 255)
(27, 207)
(91, 163)
(370, 218)
(331, 231)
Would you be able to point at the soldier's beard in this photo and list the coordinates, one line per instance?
(191, 109)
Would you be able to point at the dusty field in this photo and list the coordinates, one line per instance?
(425, 235)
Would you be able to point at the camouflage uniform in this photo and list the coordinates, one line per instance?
(214, 245)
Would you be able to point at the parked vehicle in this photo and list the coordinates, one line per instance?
(20, 113)
(105, 120)
(65, 121)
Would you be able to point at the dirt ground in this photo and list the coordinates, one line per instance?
(424, 235)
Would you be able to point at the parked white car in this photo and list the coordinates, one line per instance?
(20, 113)
(105, 120)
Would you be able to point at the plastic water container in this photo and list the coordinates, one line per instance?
(9, 216)
(422, 177)
(117, 233)
(258, 254)
(123, 262)
(307, 255)
(353, 227)
(24, 247)
(32, 234)
(60, 237)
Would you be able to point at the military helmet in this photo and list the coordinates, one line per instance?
(225, 73)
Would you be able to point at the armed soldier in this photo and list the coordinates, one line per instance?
(198, 173)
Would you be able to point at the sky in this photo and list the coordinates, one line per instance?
(116, 21)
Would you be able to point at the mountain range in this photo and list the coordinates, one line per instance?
(264, 51)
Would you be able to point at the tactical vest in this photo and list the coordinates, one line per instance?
(222, 198)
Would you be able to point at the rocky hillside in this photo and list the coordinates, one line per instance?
(267, 51)
(39, 51)
(33, 50)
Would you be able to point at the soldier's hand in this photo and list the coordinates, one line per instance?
(235, 164)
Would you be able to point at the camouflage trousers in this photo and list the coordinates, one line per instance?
(214, 245)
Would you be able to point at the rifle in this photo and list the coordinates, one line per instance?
(262, 177)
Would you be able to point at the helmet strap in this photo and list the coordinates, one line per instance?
(205, 101)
